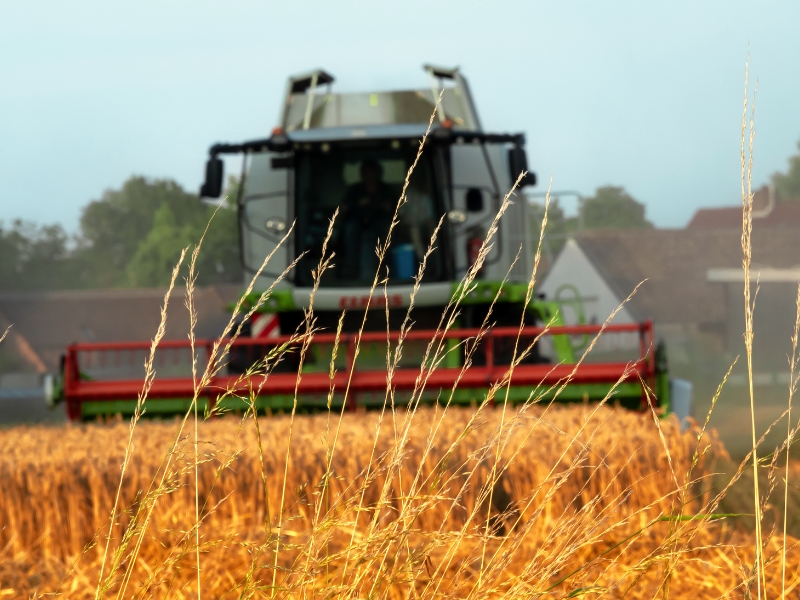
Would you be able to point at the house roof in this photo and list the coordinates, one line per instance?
(784, 214)
(767, 212)
(725, 217)
(676, 264)
(49, 321)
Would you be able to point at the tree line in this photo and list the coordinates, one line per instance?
(132, 236)
(612, 207)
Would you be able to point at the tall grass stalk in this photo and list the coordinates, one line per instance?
(528, 297)
(149, 376)
(160, 484)
(789, 435)
(308, 324)
(746, 156)
(381, 250)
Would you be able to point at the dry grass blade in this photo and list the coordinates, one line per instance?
(528, 297)
(308, 324)
(149, 377)
(793, 363)
(746, 156)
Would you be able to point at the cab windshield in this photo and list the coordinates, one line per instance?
(365, 184)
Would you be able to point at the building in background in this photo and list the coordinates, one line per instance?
(43, 324)
(692, 288)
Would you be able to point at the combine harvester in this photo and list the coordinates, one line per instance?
(352, 152)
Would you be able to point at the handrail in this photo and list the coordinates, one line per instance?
(375, 336)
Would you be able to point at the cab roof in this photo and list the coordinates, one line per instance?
(309, 105)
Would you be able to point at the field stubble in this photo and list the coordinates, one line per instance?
(582, 504)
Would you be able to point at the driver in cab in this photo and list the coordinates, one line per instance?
(367, 210)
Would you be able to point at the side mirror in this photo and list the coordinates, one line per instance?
(517, 163)
(212, 186)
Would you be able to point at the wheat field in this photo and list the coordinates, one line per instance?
(535, 501)
(582, 505)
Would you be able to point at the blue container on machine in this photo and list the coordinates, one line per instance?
(404, 259)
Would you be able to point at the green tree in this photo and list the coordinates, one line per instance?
(130, 237)
(158, 252)
(556, 222)
(35, 257)
(133, 236)
(219, 258)
(787, 185)
(113, 227)
(612, 207)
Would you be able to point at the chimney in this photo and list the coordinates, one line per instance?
(763, 201)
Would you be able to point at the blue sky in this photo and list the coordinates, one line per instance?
(625, 93)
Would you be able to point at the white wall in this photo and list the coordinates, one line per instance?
(573, 267)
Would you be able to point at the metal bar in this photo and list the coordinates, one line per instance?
(466, 98)
(435, 95)
(280, 142)
(374, 336)
(310, 104)
(404, 379)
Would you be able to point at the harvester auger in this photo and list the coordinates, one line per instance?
(352, 152)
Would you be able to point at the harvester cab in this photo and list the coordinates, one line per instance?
(348, 154)
(351, 153)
